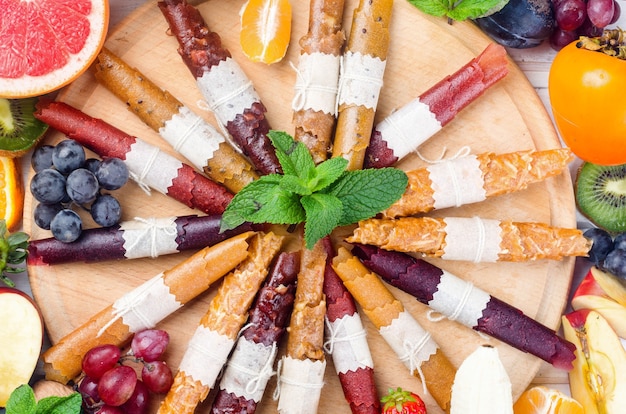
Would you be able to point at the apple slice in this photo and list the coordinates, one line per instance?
(21, 339)
(598, 379)
(590, 294)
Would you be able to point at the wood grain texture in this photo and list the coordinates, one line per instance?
(423, 49)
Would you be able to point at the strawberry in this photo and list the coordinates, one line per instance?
(399, 401)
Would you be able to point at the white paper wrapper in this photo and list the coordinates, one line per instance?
(227, 90)
(192, 137)
(301, 383)
(347, 342)
(150, 237)
(317, 83)
(249, 369)
(360, 80)
(472, 239)
(409, 340)
(459, 300)
(146, 305)
(206, 355)
(408, 127)
(456, 182)
(150, 167)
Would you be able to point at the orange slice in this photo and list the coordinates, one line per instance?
(544, 400)
(46, 44)
(265, 30)
(11, 192)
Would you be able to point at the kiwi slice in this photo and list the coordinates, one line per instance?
(19, 129)
(601, 195)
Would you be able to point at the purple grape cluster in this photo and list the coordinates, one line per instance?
(65, 178)
(607, 252)
(575, 18)
(113, 383)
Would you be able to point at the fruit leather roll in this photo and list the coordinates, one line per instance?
(472, 238)
(188, 133)
(215, 336)
(145, 306)
(347, 342)
(301, 371)
(148, 165)
(315, 100)
(463, 302)
(473, 178)
(222, 82)
(361, 79)
(251, 365)
(141, 237)
(404, 130)
(413, 345)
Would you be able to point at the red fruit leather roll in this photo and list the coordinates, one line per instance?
(459, 300)
(151, 237)
(348, 343)
(222, 82)
(147, 164)
(404, 130)
(250, 366)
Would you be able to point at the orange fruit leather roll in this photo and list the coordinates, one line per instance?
(368, 44)
(314, 122)
(185, 281)
(164, 113)
(383, 309)
(217, 331)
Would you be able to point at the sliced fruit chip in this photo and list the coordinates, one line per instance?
(544, 400)
(265, 30)
(11, 192)
(46, 44)
(19, 129)
(601, 195)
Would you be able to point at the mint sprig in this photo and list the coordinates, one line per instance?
(322, 196)
(459, 9)
(22, 401)
(13, 252)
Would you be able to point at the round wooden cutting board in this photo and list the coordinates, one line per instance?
(423, 50)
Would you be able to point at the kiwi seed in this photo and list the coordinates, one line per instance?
(601, 195)
(19, 129)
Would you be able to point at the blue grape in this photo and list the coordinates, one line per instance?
(620, 241)
(48, 186)
(112, 174)
(42, 157)
(67, 156)
(92, 164)
(44, 213)
(66, 226)
(602, 244)
(615, 263)
(82, 186)
(106, 210)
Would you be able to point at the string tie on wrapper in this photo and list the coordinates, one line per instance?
(282, 379)
(450, 167)
(334, 337)
(139, 178)
(481, 239)
(345, 77)
(411, 357)
(304, 84)
(151, 232)
(180, 142)
(258, 377)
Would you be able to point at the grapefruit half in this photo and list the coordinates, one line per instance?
(46, 44)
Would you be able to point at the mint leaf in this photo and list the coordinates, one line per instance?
(70, 404)
(365, 193)
(294, 157)
(21, 401)
(460, 9)
(322, 216)
(295, 185)
(328, 172)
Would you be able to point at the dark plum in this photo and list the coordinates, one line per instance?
(520, 24)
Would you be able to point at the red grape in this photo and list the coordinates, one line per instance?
(117, 385)
(157, 376)
(88, 389)
(100, 359)
(570, 14)
(617, 11)
(108, 409)
(138, 402)
(561, 38)
(150, 344)
(600, 12)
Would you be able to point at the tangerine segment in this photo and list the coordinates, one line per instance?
(11, 193)
(544, 400)
(46, 44)
(265, 30)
